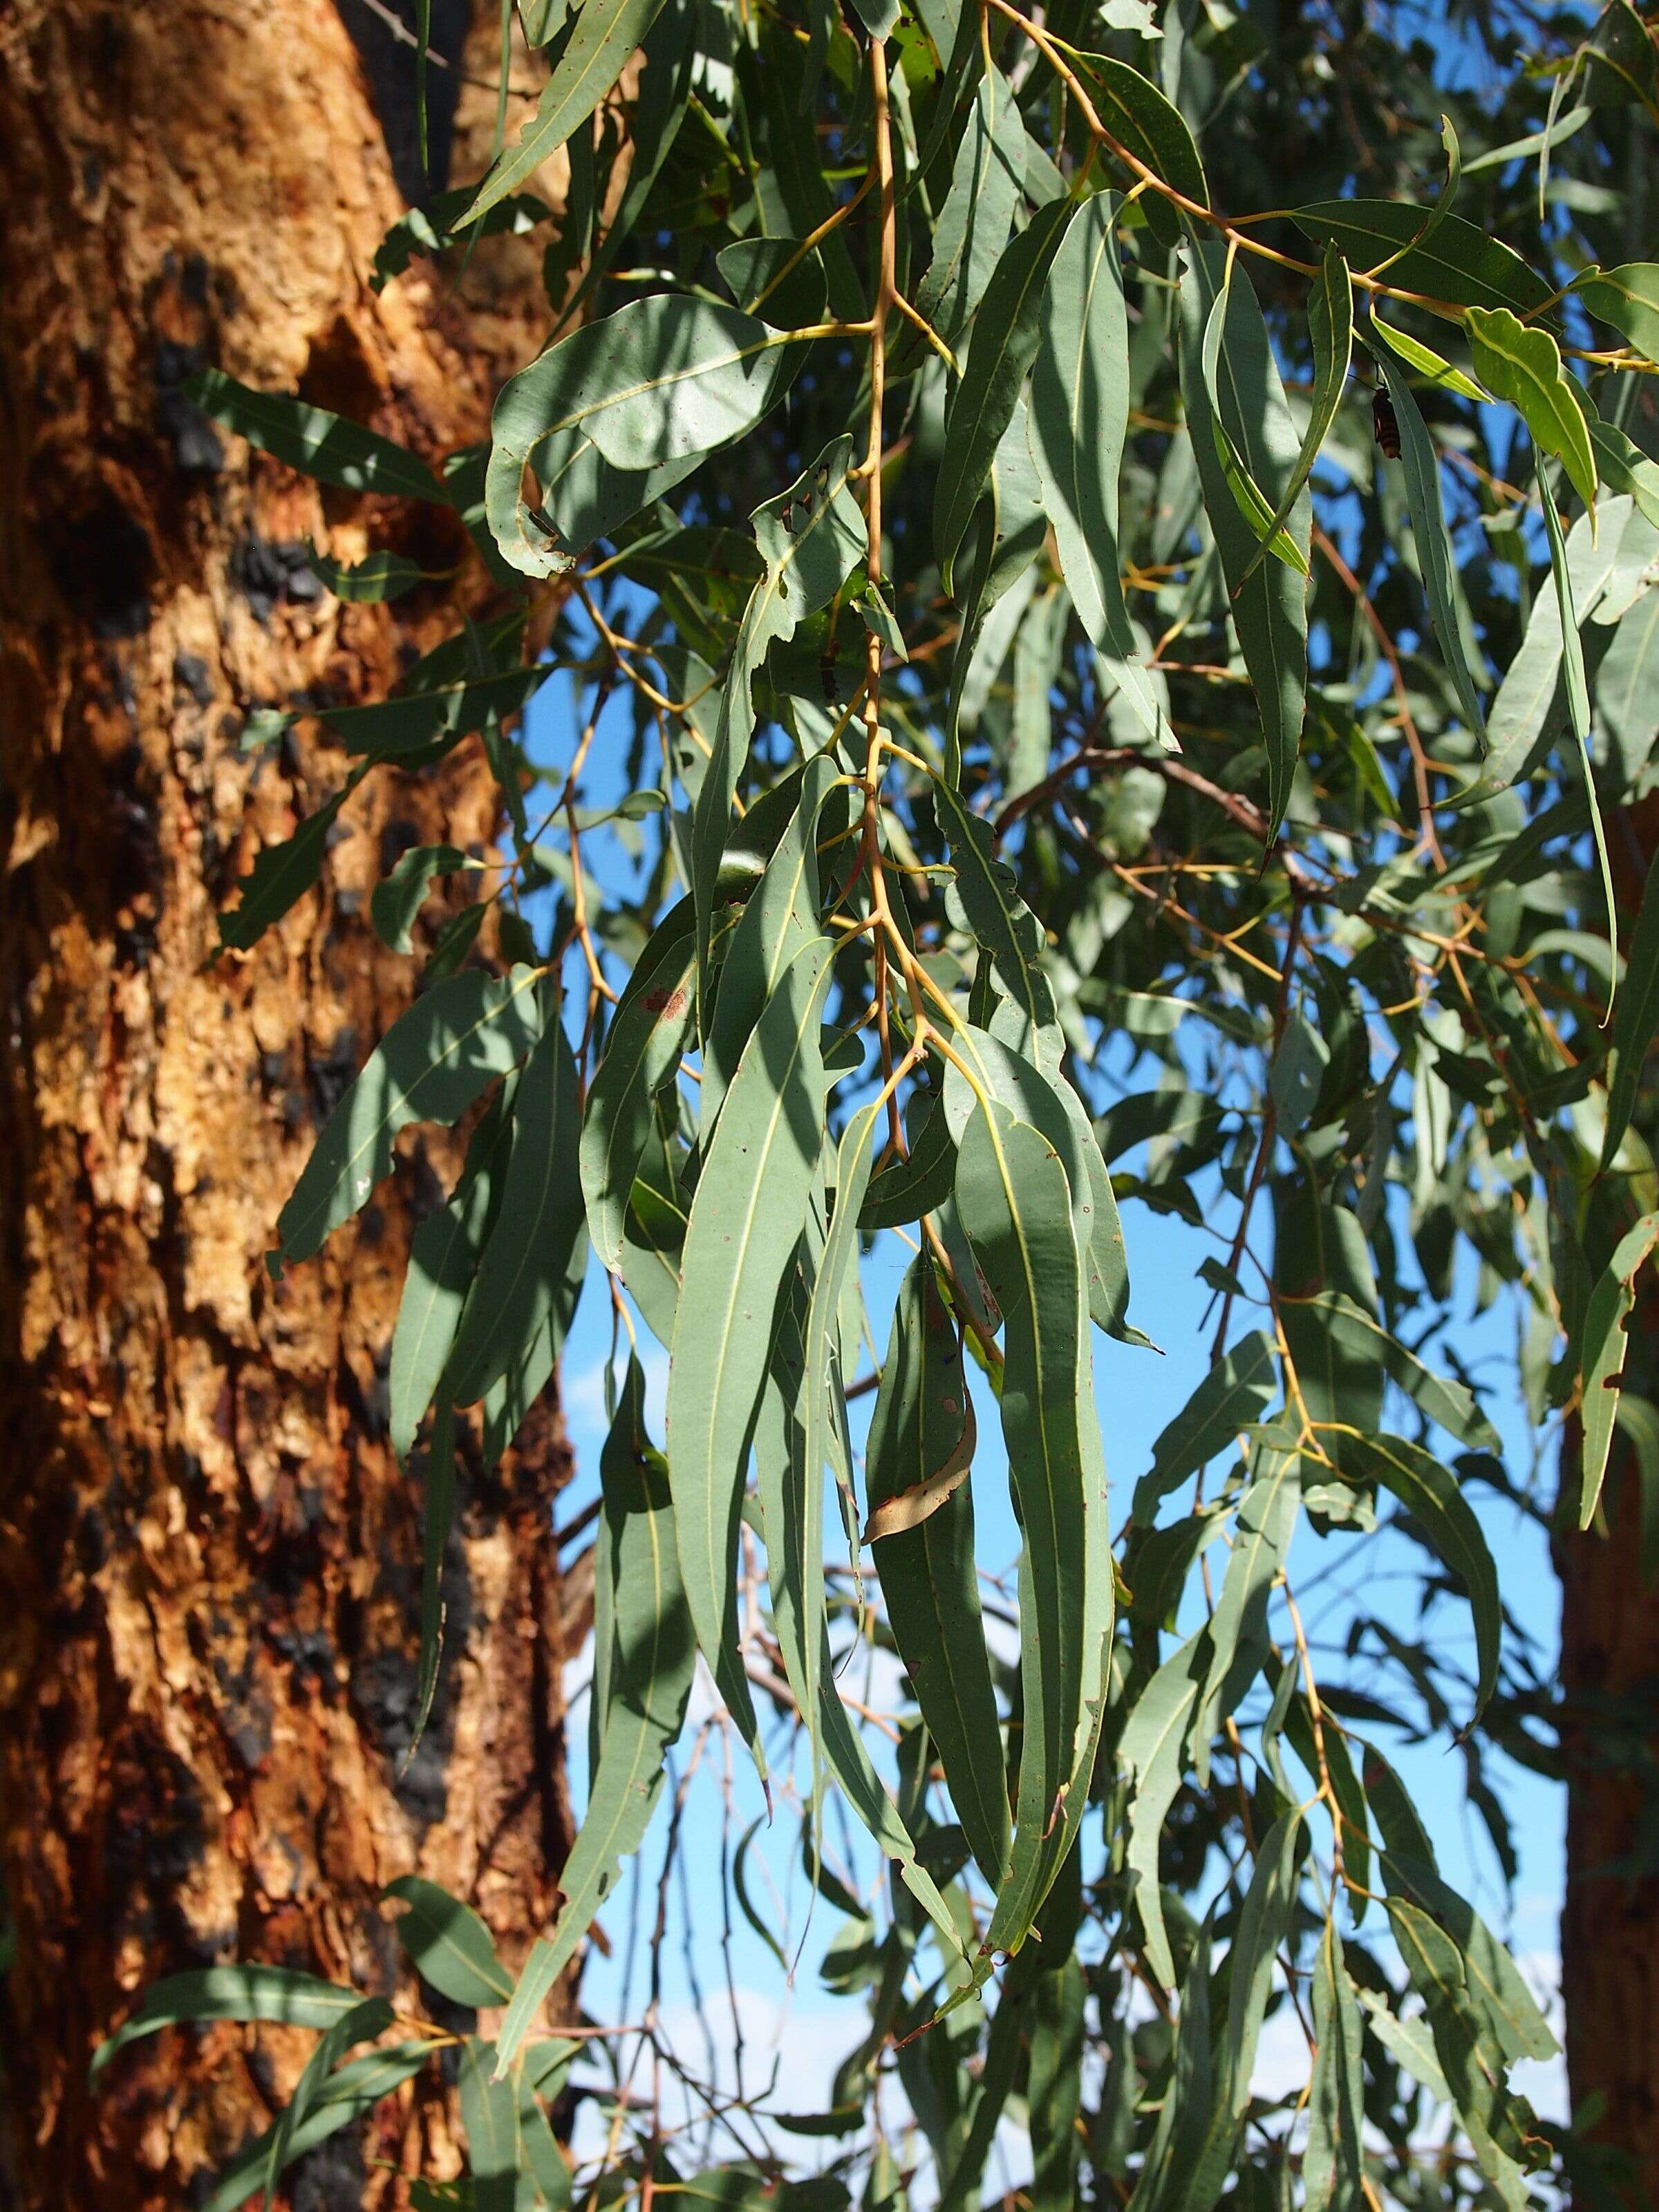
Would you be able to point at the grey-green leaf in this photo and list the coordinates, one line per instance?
(1006, 332)
(529, 1254)
(746, 1218)
(430, 1065)
(648, 1680)
(1434, 1501)
(1601, 1356)
(310, 439)
(641, 1055)
(396, 899)
(1077, 421)
(1269, 604)
(606, 33)
(1334, 2162)
(1636, 1022)
(276, 1993)
(921, 1423)
(1236, 1392)
(1434, 552)
(1016, 1204)
(448, 1945)
(986, 186)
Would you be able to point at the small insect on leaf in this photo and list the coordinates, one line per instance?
(1385, 425)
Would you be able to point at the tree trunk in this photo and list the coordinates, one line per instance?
(1610, 1735)
(208, 1558)
(1610, 1916)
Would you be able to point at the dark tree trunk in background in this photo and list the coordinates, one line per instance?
(1610, 1916)
(1610, 1684)
(208, 1558)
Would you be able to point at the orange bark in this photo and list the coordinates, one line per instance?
(208, 1558)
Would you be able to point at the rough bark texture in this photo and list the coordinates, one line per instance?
(1610, 1919)
(1610, 1690)
(208, 1559)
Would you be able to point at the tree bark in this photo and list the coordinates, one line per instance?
(208, 1558)
(1610, 1916)
(1610, 1723)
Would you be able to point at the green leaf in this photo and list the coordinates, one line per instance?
(277, 1993)
(1636, 1022)
(746, 1218)
(1497, 2123)
(1522, 363)
(1270, 610)
(1148, 127)
(921, 1443)
(448, 1945)
(1530, 699)
(443, 1257)
(1438, 1507)
(648, 1681)
(605, 34)
(349, 2092)
(999, 917)
(1006, 333)
(1425, 359)
(396, 898)
(1264, 1923)
(1364, 1340)
(1434, 552)
(1015, 1205)
(310, 439)
(1173, 2172)
(1578, 705)
(1334, 2162)
(792, 1517)
(810, 538)
(1150, 1747)
(437, 1517)
(641, 1058)
(1055, 2085)
(1627, 467)
(371, 581)
(1330, 326)
(540, 1219)
(1239, 1643)
(1251, 500)
(430, 1065)
(282, 875)
(987, 187)
(361, 2025)
(1076, 424)
(1409, 2044)
(923, 1180)
(489, 2120)
(618, 412)
(990, 2097)
(1461, 266)
(436, 225)
(394, 728)
(1628, 298)
(779, 916)
(1601, 1356)
(1053, 1108)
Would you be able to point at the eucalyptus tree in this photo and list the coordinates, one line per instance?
(1126, 540)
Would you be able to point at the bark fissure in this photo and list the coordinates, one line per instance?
(208, 1560)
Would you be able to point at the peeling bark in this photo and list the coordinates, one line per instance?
(208, 1558)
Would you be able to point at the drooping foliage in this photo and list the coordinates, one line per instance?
(1127, 538)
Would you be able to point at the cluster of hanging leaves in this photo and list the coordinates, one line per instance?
(1143, 682)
